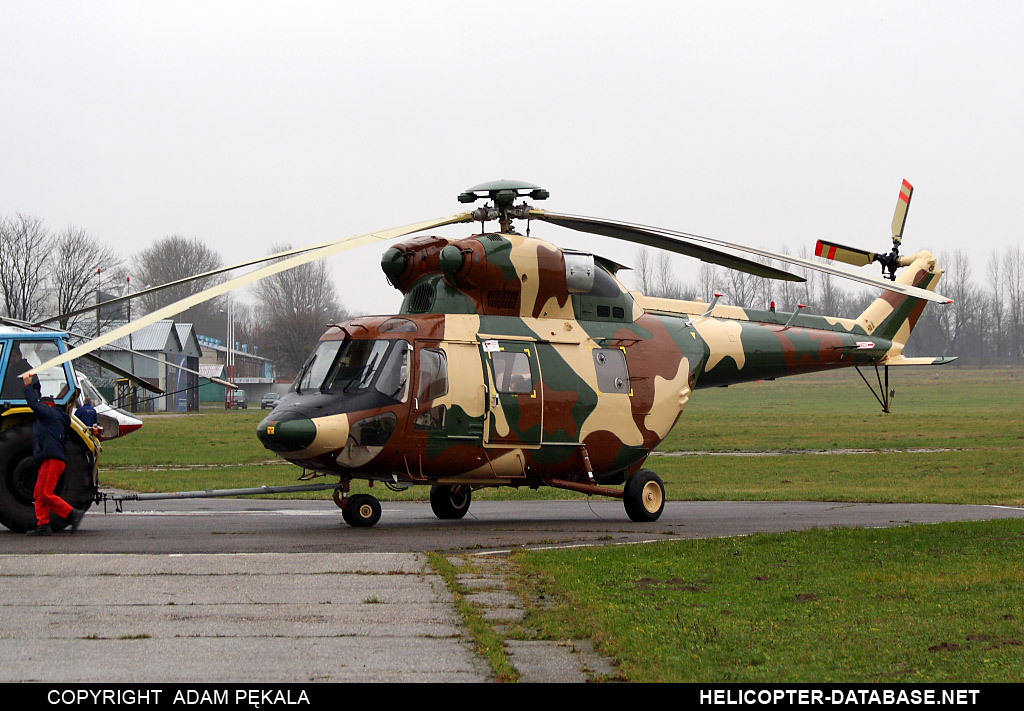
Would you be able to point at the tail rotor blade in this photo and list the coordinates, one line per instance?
(841, 253)
(899, 219)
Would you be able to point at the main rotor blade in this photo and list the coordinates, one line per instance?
(643, 235)
(580, 223)
(899, 218)
(842, 253)
(127, 374)
(186, 280)
(296, 261)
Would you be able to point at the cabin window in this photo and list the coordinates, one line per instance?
(512, 373)
(432, 419)
(604, 284)
(433, 374)
(612, 376)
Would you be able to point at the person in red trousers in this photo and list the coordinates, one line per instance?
(49, 437)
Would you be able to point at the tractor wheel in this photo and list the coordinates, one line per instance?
(18, 473)
(450, 502)
(362, 511)
(644, 496)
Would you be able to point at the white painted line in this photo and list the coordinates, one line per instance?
(603, 544)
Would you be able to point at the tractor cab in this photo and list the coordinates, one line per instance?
(21, 351)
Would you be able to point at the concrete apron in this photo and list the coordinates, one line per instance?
(261, 617)
(295, 617)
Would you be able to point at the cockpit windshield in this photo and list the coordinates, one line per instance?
(353, 366)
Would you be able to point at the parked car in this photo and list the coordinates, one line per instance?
(269, 400)
(238, 400)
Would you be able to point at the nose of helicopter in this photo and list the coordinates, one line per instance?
(286, 432)
(297, 435)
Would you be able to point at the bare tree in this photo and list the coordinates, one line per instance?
(1013, 281)
(24, 250)
(176, 257)
(786, 292)
(667, 283)
(656, 276)
(997, 308)
(740, 287)
(82, 268)
(708, 277)
(296, 305)
(643, 272)
(962, 312)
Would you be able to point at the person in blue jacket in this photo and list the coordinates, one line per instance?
(87, 413)
(49, 437)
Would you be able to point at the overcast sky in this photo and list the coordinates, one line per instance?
(253, 123)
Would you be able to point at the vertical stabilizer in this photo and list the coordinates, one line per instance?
(893, 316)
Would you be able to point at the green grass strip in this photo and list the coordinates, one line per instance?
(488, 643)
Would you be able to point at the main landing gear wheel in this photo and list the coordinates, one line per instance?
(450, 502)
(644, 496)
(362, 511)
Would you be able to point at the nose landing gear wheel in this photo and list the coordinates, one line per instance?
(644, 496)
(362, 511)
(450, 502)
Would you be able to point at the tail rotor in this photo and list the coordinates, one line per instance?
(858, 257)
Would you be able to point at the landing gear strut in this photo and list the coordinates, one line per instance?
(884, 394)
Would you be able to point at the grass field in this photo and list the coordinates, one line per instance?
(937, 603)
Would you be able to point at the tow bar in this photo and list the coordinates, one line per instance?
(118, 499)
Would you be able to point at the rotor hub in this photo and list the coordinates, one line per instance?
(503, 194)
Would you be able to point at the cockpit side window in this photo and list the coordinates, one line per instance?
(394, 373)
(433, 381)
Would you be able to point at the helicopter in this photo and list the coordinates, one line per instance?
(516, 363)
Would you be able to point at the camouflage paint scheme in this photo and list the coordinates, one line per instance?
(476, 299)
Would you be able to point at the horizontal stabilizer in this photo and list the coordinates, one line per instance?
(928, 360)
